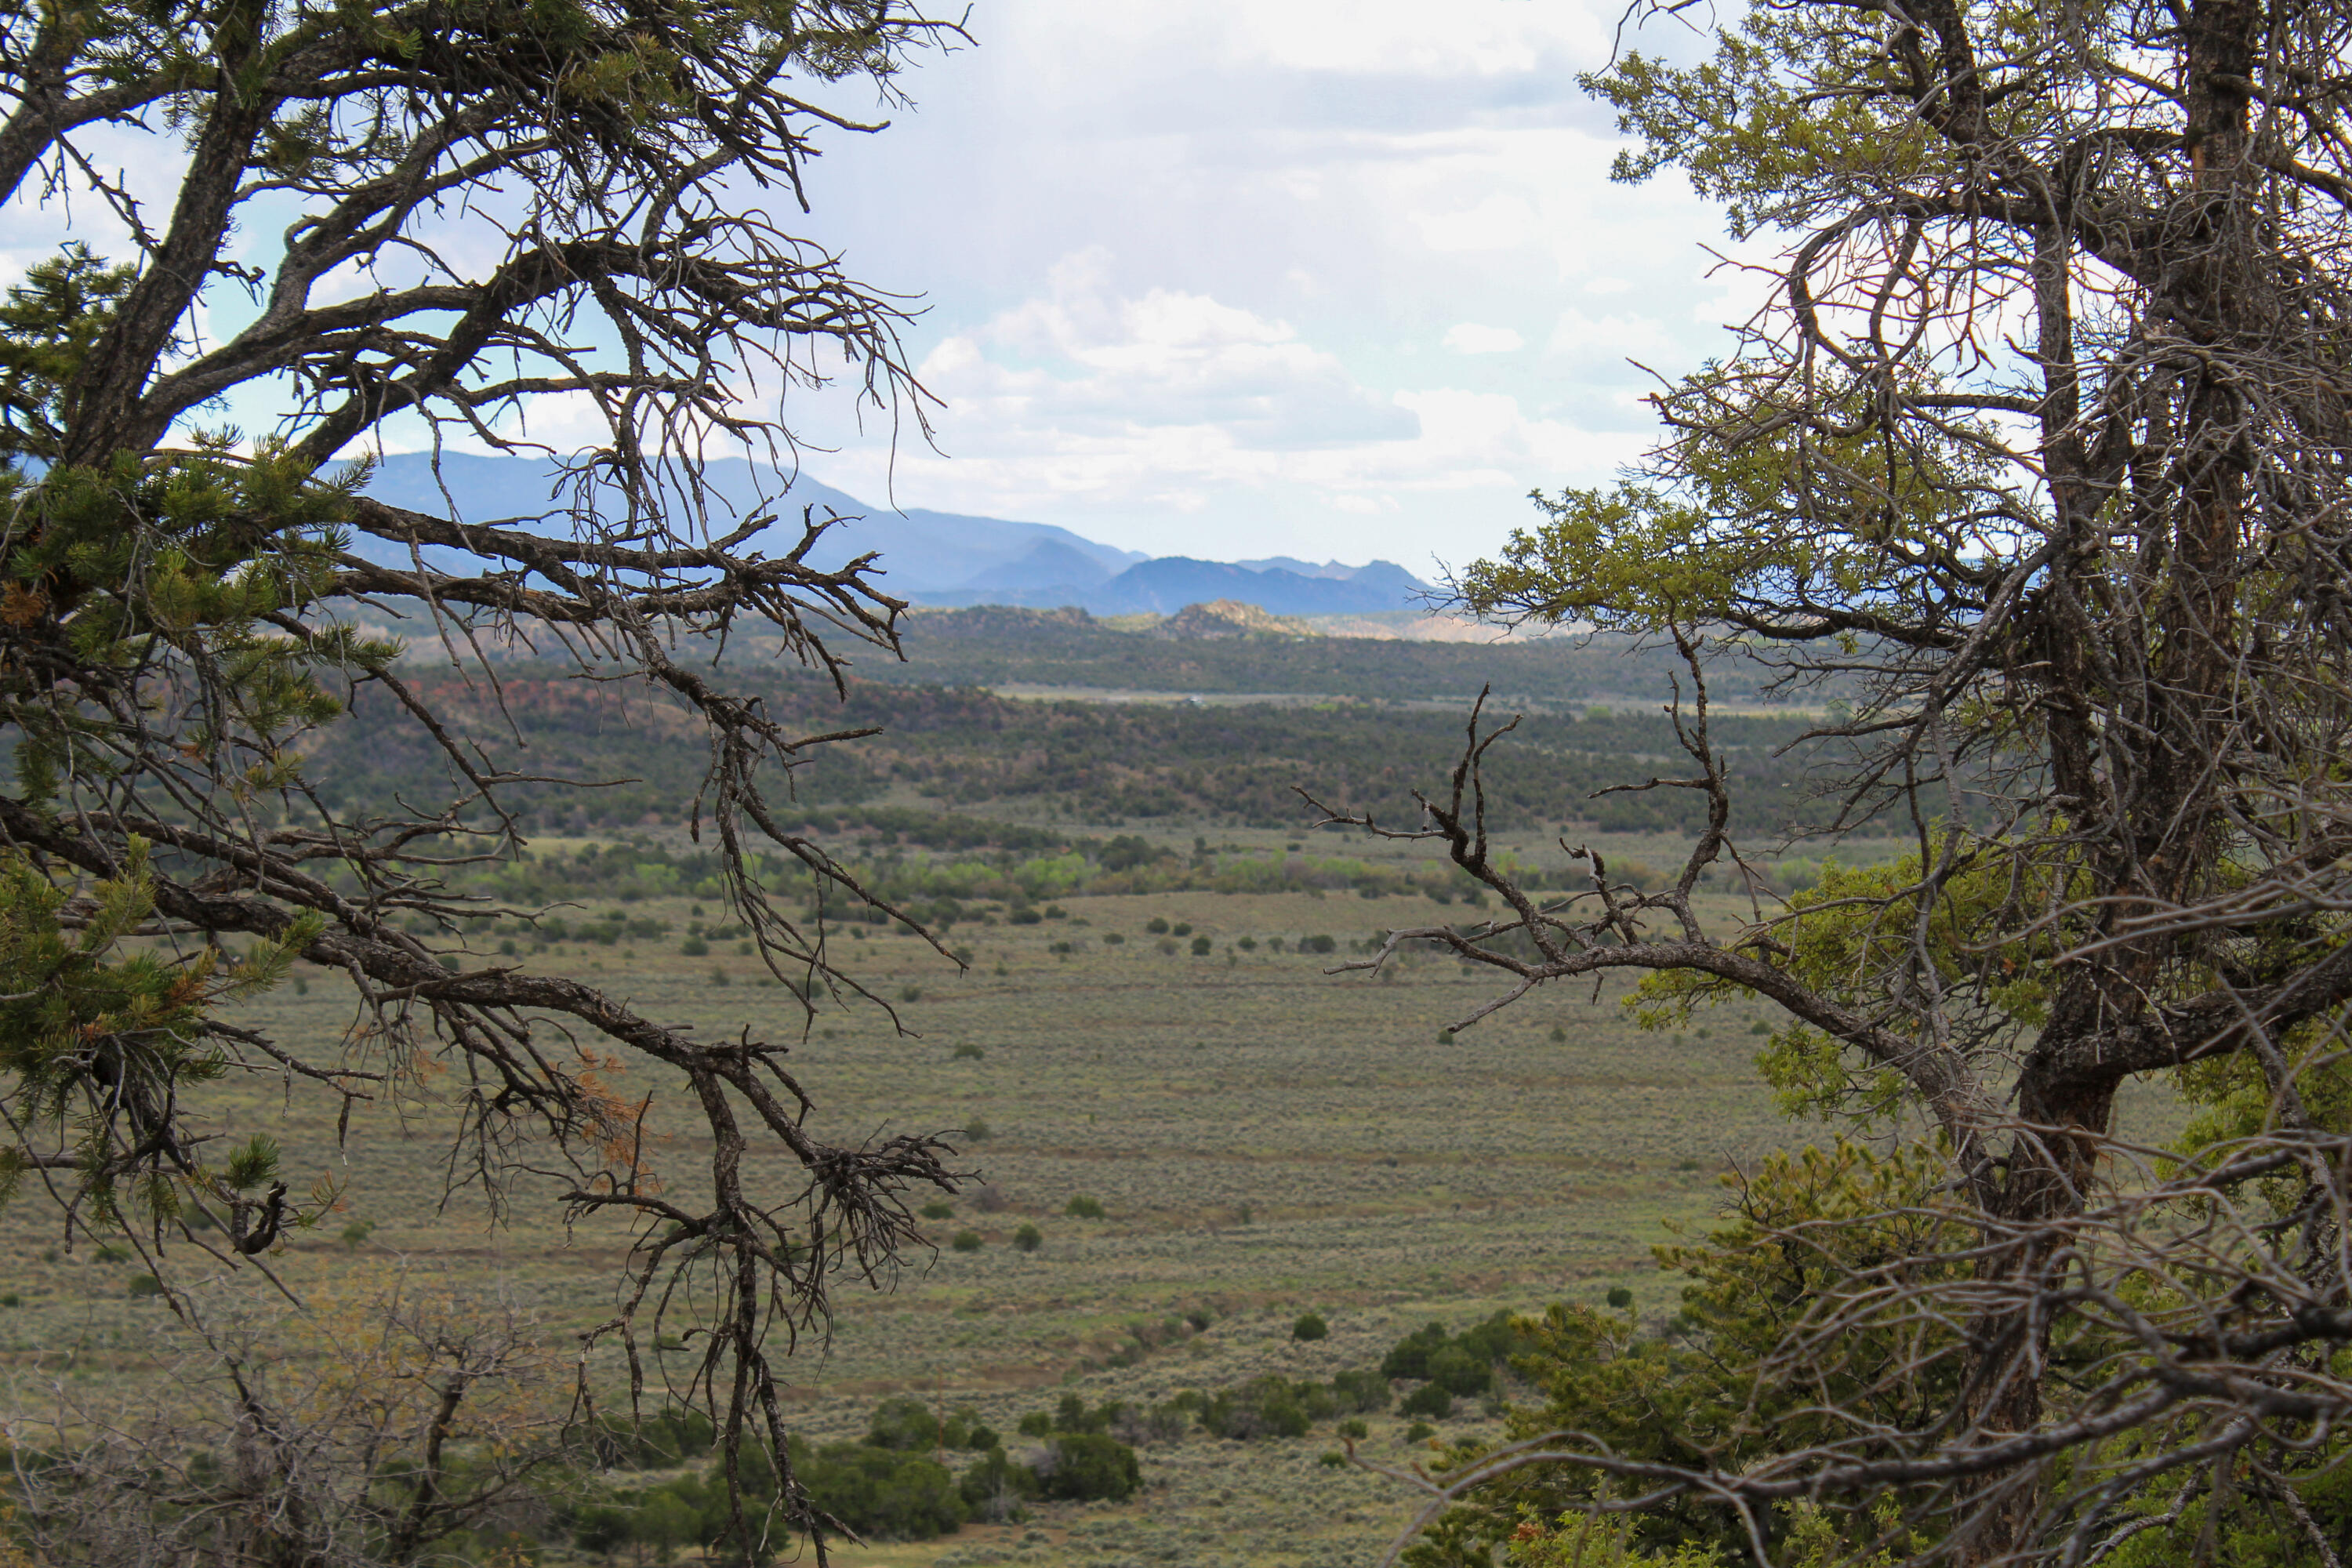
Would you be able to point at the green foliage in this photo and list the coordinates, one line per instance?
(1087, 1466)
(1848, 931)
(1431, 1400)
(880, 1492)
(1267, 1407)
(910, 1426)
(663, 1440)
(1702, 1394)
(1310, 1326)
(991, 759)
(1028, 1238)
(1084, 1207)
(1365, 1391)
(992, 647)
(97, 1038)
(993, 1486)
(48, 324)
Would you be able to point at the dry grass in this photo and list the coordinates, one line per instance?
(1265, 1139)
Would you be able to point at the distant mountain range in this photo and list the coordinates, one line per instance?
(932, 557)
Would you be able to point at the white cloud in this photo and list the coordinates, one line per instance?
(1106, 410)
(1187, 266)
(1471, 338)
(1172, 372)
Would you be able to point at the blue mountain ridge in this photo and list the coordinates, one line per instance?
(929, 557)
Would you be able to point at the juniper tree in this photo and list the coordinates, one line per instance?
(421, 217)
(2031, 476)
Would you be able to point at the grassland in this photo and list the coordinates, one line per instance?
(1266, 1138)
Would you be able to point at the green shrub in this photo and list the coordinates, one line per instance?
(1351, 1427)
(938, 1208)
(659, 1442)
(1464, 1364)
(1620, 1297)
(1201, 946)
(1310, 1326)
(1181, 928)
(1430, 1399)
(906, 1425)
(1410, 1358)
(994, 1487)
(1317, 945)
(687, 1511)
(1458, 1369)
(1028, 1238)
(145, 1285)
(1087, 1466)
(967, 1241)
(1364, 1392)
(1268, 1406)
(694, 947)
(881, 1492)
(967, 1053)
(1420, 1431)
(1157, 925)
(1084, 1207)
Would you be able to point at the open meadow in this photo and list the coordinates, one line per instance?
(1262, 1138)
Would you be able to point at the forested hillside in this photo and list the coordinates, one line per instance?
(970, 752)
(995, 645)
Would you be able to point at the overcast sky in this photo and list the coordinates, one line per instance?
(1229, 278)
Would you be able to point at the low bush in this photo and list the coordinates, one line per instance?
(1084, 1207)
(1028, 1238)
(1464, 1363)
(1366, 1393)
(1268, 1406)
(1310, 1326)
(658, 1442)
(881, 1492)
(995, 1487)
(1430, 1399)
(1087, 1466)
